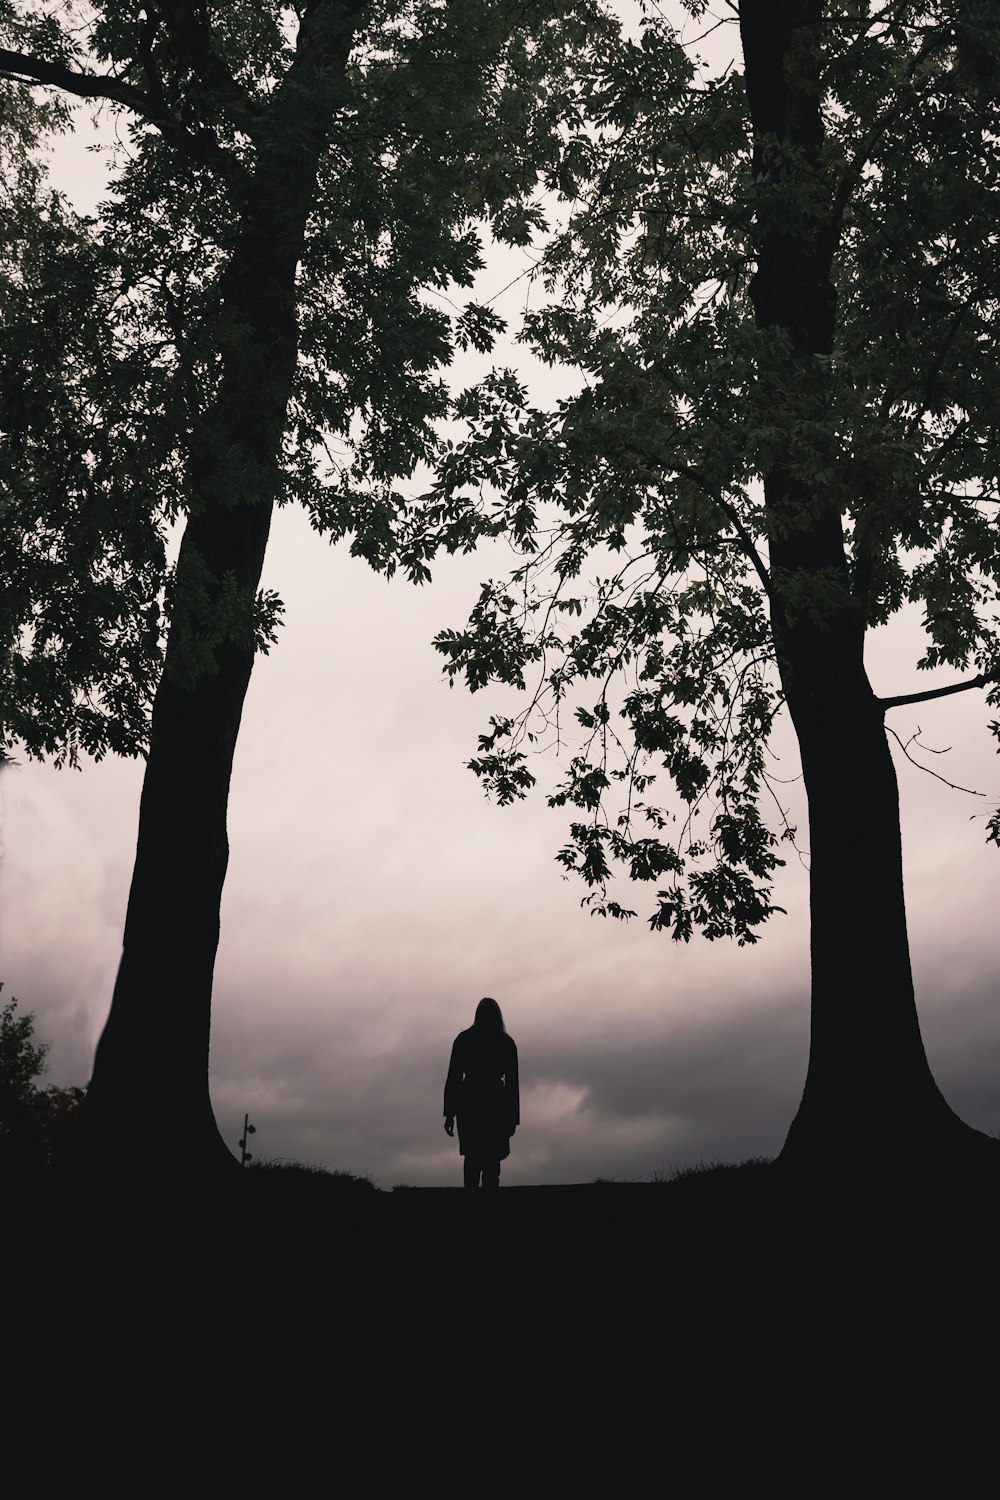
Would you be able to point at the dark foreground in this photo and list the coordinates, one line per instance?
(731, 1330)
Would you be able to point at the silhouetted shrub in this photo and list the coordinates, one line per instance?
(34, 1122)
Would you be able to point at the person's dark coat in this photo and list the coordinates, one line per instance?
(482, 1092)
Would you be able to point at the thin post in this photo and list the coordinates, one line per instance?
(248, 1129)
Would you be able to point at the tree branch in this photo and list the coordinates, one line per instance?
(854, 170)
(202, 145)
(904, 745)
(189, 31)
(22, 67)
(982, 680)
(326, 33)
(745, 539)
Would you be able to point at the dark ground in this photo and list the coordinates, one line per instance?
(730, 1330)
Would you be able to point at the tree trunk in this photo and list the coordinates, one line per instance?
(869, 1092)
(149, 1097)
(151, 1067)
(869, 1095)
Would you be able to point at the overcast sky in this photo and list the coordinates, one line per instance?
(374, 896)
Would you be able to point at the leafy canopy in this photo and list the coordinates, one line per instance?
(445, 117)
(641, 612)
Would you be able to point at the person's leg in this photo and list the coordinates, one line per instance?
(491, 1174)
(471, 1170)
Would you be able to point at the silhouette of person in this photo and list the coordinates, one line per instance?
(481, 1092)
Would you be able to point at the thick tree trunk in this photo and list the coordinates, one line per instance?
(149, 1098)
(869, 1094)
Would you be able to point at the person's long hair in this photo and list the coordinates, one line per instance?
(489, 1016)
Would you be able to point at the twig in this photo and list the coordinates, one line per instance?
(904, 746)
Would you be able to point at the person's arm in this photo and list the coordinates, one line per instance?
(513, 1089)
(451, 1088)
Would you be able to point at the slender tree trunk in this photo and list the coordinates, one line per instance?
(869, 1091)
(151, 1066)
(152, 1061)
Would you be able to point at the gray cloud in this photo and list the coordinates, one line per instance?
(374, 896)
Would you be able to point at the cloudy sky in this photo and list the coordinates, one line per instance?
(374, 895)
